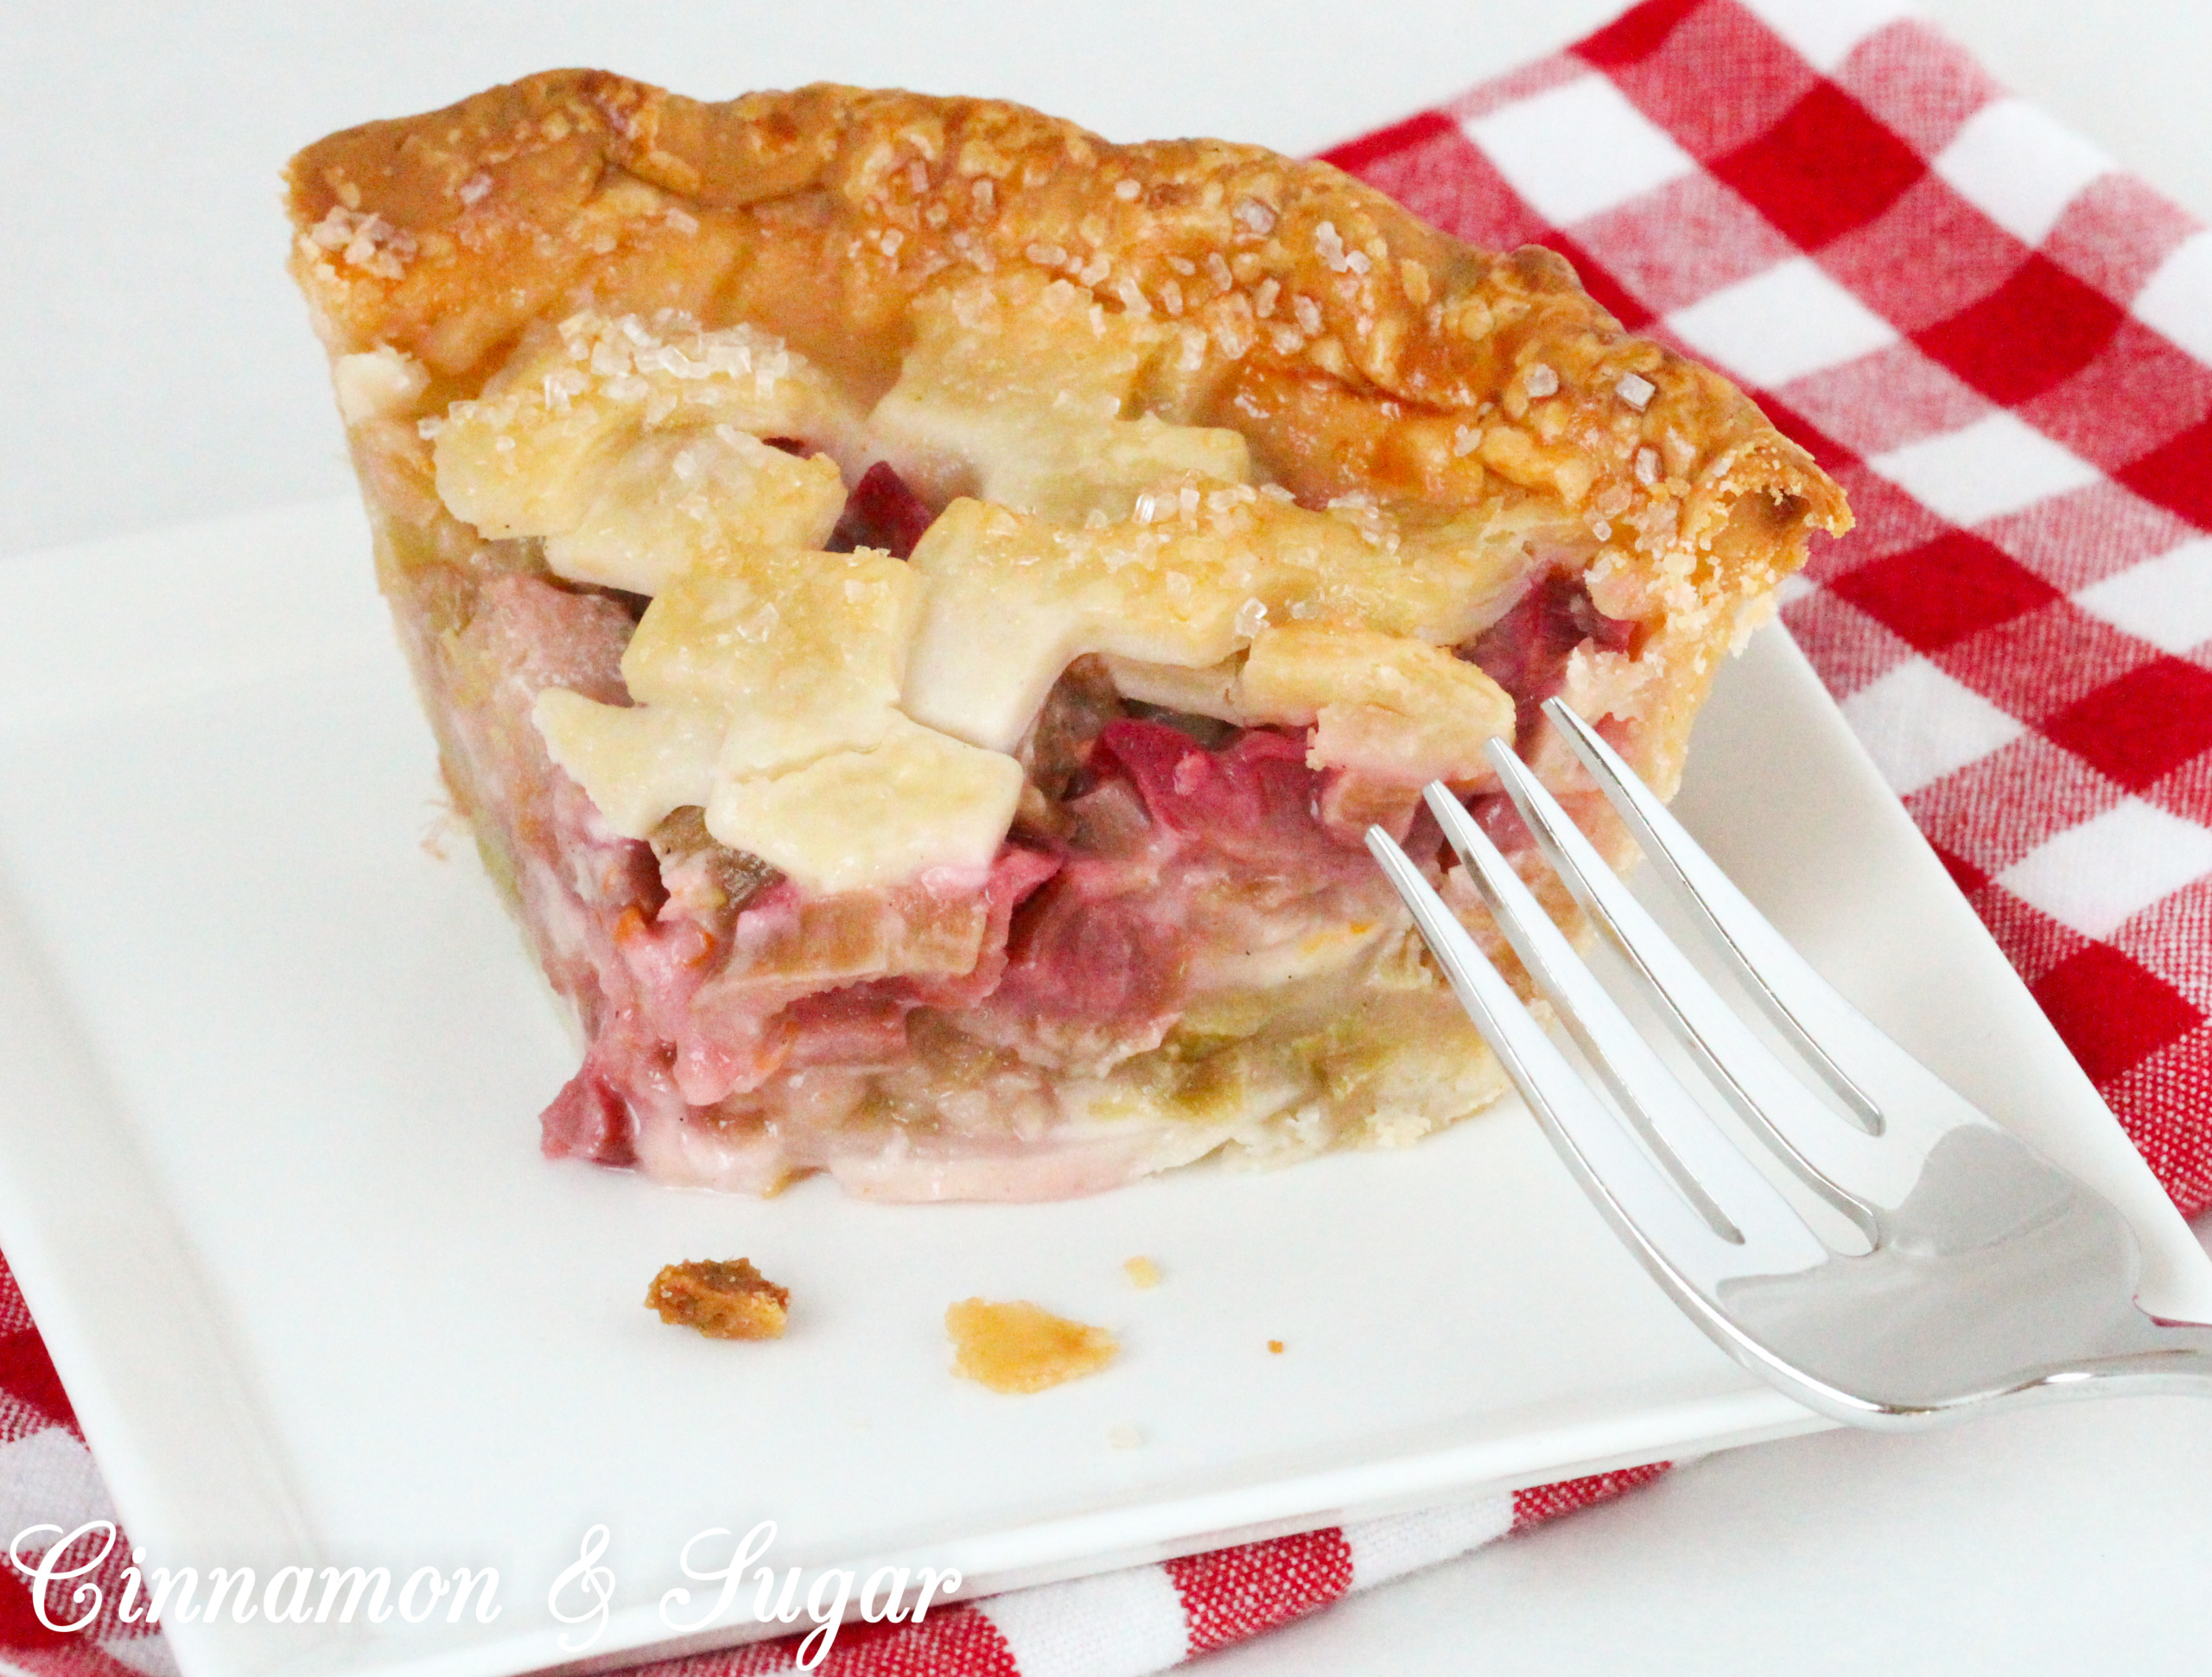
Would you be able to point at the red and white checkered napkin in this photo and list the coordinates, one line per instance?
(2000, 347)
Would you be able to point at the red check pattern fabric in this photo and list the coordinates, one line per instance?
(1115, 1624)
(2002, 347)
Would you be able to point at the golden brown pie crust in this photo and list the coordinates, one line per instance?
(1355, 347)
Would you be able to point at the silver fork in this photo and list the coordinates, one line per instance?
(1991, 1277)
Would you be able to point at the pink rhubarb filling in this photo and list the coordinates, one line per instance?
(710, 995)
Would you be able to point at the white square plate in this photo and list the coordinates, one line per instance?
(269, 1071)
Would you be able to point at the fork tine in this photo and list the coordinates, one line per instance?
(1684, 1137)
(1823, 1152)
(1685, 1252)
(1885, 1089)
(1782, 981)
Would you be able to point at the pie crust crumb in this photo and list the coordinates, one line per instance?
(1142, 1272)
(1020, 1347)
(730, 1300)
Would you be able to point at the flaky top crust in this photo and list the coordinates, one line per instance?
(1357, 349)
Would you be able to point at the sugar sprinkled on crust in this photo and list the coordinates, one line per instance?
(1393, 399)
(401, 234)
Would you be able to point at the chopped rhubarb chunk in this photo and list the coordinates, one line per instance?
(882, 512)
(588, 1118)
(1526, 651)
(1093, 951)
(1256, 796)
(1501, 822)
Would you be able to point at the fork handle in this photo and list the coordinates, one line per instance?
(2169, 1357)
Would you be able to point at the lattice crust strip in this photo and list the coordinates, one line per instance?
(804, 698)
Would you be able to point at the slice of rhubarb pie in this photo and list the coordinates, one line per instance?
(921, 606)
